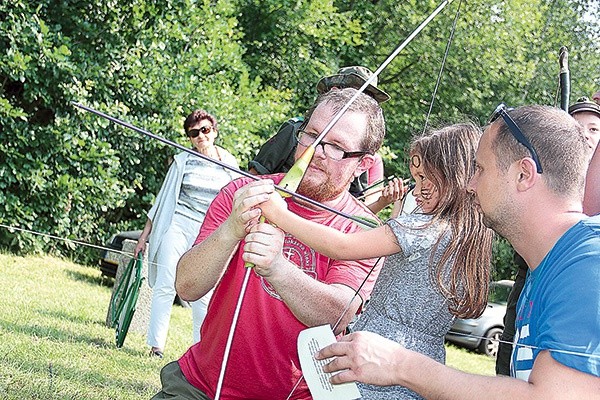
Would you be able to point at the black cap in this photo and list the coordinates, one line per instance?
(584, 105)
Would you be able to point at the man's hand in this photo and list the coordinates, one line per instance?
(263, 248)
(201, 267)
(362, 356)
(244, 212)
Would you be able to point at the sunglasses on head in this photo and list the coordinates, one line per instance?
(502, 111)
(203, 130)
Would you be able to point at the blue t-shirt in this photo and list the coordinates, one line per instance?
(559, 308)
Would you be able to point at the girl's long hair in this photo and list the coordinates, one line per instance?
(448, 157)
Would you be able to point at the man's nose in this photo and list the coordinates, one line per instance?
(320, 150)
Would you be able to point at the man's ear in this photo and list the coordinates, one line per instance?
(527, 174)
(365, 164)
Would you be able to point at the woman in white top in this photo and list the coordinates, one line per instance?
(175, 219)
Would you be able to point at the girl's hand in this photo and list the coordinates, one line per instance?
(392, 192)
(274, 209)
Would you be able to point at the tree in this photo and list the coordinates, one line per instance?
(253, 64)
(78, 176)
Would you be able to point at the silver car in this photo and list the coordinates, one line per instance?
(482, 334)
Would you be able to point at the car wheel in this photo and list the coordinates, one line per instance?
(489, 345)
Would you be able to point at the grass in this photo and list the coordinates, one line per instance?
(469, 361)
(55, 345)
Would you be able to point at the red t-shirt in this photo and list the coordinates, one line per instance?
(263, 361)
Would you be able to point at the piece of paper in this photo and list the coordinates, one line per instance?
(310, 341)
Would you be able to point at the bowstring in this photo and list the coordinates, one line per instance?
(76, 241)
(328, 127)
(85, 244)
(341, 317)
(383, 65)
(439, 77)
(338, 115)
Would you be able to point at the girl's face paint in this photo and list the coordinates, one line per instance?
(426, 194)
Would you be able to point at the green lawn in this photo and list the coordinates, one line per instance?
(468, 361)
(54, 343)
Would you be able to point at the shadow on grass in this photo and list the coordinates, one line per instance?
(62, 336)
(64, 316)
(88, 278)
(56, 371)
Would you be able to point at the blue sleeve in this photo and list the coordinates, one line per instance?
(569, 320)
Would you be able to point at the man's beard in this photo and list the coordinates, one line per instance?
(501, 221)
(321, 192)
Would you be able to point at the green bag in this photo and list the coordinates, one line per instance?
(125, 298)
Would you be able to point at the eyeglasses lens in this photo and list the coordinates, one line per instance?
(331, 151)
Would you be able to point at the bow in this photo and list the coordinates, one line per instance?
(564, 78)
(294, 176)
(292, 180)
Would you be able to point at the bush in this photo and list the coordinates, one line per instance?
(76, 175)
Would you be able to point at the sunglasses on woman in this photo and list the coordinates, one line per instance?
(205, 130)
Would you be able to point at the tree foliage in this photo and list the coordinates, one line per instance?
(253, 64)
(79, 176)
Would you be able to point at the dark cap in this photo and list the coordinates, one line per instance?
(584, 105)
(353, 77)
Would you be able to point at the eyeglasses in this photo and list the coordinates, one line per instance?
(502, 111)
(205, 130)
(331, 150)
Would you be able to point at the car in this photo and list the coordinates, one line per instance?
(482, 334)
(109, 262)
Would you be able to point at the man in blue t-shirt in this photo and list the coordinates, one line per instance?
(587, 113)
(529, 182)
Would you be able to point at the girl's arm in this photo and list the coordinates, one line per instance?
(334, 244)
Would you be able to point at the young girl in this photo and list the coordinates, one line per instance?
(439, 259)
